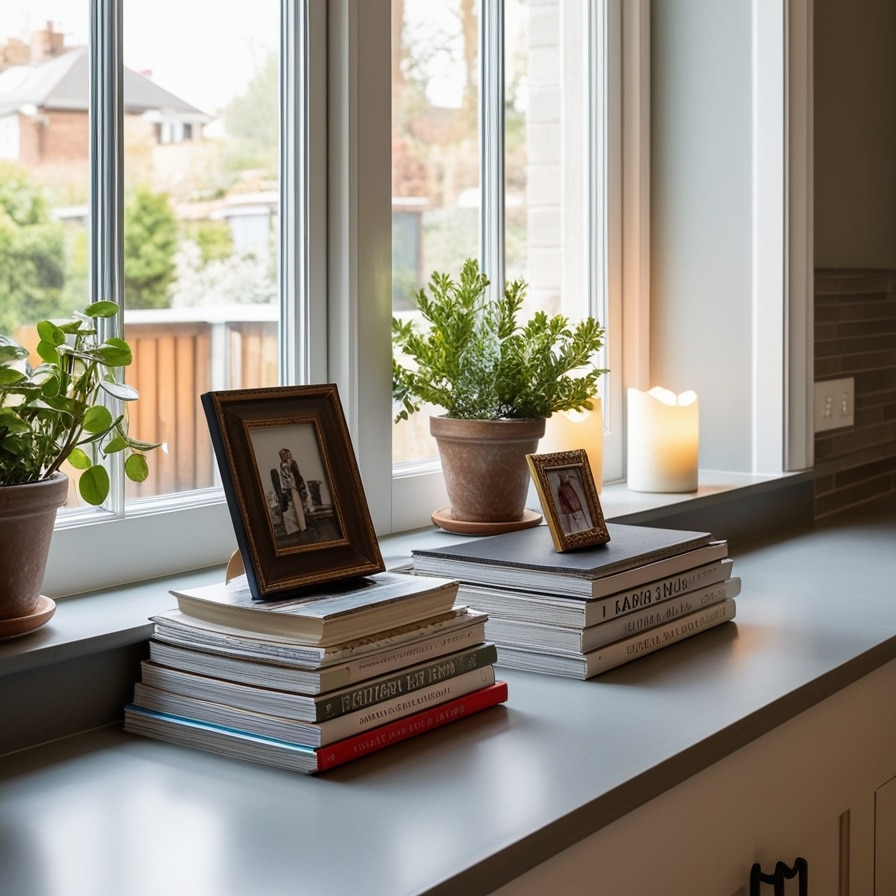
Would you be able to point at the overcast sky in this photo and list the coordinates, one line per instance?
(168, 38)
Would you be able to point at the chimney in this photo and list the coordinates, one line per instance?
(46, 44)
(14, 52)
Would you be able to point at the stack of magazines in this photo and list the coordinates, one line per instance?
(318, 680)
(579, 613)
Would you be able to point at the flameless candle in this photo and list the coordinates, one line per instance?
(570, 430)
(663, 439)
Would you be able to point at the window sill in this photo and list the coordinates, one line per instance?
(114, 623)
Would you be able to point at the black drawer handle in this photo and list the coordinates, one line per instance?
(782, 873)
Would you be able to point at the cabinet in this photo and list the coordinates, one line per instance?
(820, 785)
(885, 839)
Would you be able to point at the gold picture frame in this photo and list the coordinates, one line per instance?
(569, 499)
(293, 487)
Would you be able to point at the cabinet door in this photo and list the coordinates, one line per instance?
(885, 839)
(823, 848)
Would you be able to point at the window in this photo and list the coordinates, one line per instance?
(156, 152)
(499, 133)
(329, 281)
(331, 234)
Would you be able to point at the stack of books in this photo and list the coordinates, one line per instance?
(311, 683)
(582, 612)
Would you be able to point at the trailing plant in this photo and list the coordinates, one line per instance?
(474, 359)
(60, 410)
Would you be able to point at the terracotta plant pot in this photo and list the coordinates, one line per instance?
(484, 464)
(27, 517)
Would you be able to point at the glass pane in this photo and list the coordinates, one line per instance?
(44, 176)
(436, 177)
(546, 113)
(435, 159)
(43, 162)
(201, 209)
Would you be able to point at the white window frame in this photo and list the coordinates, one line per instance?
(343, 264)
(97, 549)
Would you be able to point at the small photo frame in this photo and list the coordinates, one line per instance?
(569, 499)
(292, 486)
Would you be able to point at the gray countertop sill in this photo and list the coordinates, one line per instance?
(114, 617)
(469, 807)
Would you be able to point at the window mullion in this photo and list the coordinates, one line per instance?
(106, 166)
(597, 137)
(491, 144)
(294, 314)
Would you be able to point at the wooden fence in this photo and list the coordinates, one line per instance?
(174, 363)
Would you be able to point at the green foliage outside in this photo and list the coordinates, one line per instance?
(477, 361)
(150, 244)
(252, 122)
(213, 238)
(32, 252)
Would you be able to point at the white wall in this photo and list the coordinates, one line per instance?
(703, 247)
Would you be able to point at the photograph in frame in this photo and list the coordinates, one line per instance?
(569, 499)
(292, 486)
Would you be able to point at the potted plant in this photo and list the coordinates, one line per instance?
(497, 380)
(51, 413)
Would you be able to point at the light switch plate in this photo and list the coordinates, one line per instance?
(834, 403)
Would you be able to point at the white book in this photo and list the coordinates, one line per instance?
(229, 653)
(587, 665)
(564, 639)
(579, 612)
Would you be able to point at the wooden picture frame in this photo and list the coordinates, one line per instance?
(569, 499)
(292, 486)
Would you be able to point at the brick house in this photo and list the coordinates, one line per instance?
(44, 92)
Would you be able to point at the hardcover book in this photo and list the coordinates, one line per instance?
(183, 643)
(581, 612)
(288, 704)
(562, 639)
(526, 559)
(307, 760)
(587, 665)
(321, 617)
(307, 733)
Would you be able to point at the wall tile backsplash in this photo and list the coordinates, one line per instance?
(855, 336)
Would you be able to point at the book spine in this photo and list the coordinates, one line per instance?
(628, 649)
(574, 640)
(306, 733)
(634, 624)
(369, 692)
(268, 751)
(577, 612)
(418, 723)
(648, 595)
(365, 719)
(168, 648)
(289, 704)
(380, 664)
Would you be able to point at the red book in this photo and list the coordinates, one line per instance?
(245, 745)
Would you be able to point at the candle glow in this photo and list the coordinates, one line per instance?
(663, 440)
(571, 430)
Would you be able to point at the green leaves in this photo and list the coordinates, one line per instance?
(474, 359)
(11, 351)
(64, 409)
(93, 485)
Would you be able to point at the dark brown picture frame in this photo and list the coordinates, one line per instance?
(293, 487)
(565, 486)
